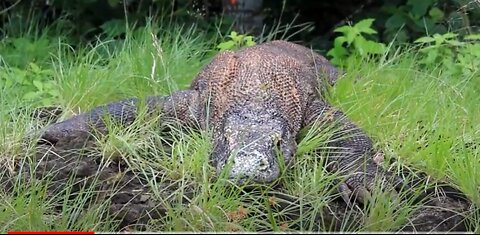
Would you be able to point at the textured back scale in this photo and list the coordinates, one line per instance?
(277, 75)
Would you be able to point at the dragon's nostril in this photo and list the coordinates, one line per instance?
(277, 143)
(263, 165)
(47, 139)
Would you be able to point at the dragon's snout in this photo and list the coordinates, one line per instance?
(71, 133)
(253, 166)
(48, 137)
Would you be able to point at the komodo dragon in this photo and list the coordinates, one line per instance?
(255, 100)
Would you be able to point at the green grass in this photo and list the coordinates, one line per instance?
(420, 117)
(400, 105)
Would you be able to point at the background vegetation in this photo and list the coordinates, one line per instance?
(402, 20)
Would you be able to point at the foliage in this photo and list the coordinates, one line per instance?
(35, 84)
(353, 42)
(412, 19)
(408, 20)
(90, 19)
(236, 41)
(398, 20)
(459, 57)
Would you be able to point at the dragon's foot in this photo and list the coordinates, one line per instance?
(359, 185)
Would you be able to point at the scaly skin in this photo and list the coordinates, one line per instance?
(74, 132)
(256, 100)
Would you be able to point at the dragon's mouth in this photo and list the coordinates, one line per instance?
(255, 163)
(250, 172)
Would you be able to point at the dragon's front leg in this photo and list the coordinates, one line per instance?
(183, 106)
(351, 153)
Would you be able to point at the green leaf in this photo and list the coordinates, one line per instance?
(365, 26)
(234, 36)
(343, 29)
(424, 40)
(431, 57)
(368, 31)
(338, 42)
(35, 67)
(472, 37)
(54, 93)
(30, 95)
(375, 47)
(113, 3)
(19, 43)
(359, 44)
(436, 14)
(228, 45)
(49, 84)
(400, 36)
(365, 47)
(438, 28)
(337, 52)
(38, 85)
(18, 78)
(439, 39)
(250, 42)
(350, 36)
(424, 25)
(47, 72)
(472, 49)
(420, 7)
(114, 27)
(6, 83)
(47, 101)
(450, 35)
(395, 21)
(338, 56)
(454, 42)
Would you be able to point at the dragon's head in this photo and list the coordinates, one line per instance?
(70, 133)
(252, 145)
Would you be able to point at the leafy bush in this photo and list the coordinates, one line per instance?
(90, 19)
(402, 20)
(236, 41)
(35, 83)
(460, 57)
(407, 20)
(353, 42)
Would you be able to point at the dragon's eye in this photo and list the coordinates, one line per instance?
(277, 140)
(276, 136)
